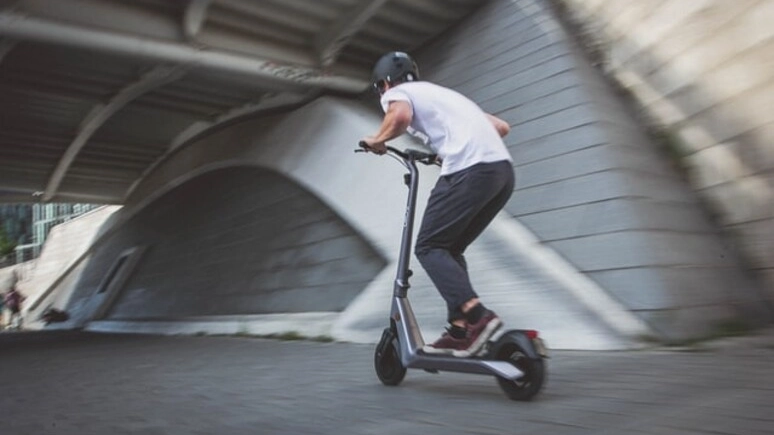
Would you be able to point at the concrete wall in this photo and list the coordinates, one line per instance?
(590, 183)
(64, 247)
(66, 242)
(11, 274)
(703, 71)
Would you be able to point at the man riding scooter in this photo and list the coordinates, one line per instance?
(475, 182)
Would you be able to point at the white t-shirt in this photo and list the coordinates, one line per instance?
(452, 125)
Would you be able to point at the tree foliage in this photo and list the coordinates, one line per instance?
(6, 245)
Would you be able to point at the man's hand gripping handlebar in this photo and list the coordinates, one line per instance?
(408, 154)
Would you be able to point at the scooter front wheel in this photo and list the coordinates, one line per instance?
(387, 362)
(516, 350)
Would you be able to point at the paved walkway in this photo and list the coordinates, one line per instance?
(80, 383)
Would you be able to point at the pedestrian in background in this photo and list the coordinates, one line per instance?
(2, 312)
(13, 302)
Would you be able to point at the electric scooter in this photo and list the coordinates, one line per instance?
(516, 358)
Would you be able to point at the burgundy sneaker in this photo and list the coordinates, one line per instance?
(448, 345)
(480, 332)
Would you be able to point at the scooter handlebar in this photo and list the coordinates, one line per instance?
(408, 154)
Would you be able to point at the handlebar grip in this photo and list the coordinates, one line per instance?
(408, 154)
(362, 147)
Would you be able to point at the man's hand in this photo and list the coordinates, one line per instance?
(375, 146)
(501, 126)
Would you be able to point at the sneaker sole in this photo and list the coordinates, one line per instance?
(435, 351)
(486, 334)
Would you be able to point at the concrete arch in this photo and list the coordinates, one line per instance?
(236, 240)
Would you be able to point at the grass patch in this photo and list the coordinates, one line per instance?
(733, 328)
(726, 329)
(287, 336)
(295, 336)
(284, 336)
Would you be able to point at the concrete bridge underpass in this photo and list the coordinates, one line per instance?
(244, 209)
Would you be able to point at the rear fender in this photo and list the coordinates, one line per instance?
(519, 338)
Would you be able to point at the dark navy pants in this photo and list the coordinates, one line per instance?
(460, 207)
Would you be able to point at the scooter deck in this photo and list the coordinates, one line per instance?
(472, 364)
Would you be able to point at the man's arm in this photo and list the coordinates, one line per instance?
(396, 121)
(501, 126)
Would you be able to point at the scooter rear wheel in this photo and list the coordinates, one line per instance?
(527, 386)
(387, 360)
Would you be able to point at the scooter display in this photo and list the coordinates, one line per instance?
(516, 358)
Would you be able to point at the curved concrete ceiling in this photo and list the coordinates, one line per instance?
(95, 92)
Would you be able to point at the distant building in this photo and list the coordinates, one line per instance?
(16, 221)
(28, 224)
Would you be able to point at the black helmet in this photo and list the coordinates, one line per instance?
(394, 67)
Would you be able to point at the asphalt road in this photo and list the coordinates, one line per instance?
(80, 383)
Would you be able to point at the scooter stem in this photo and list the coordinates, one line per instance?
(404, 258)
